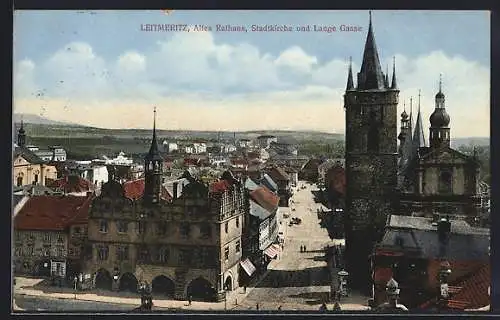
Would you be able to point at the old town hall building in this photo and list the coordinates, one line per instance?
(184, 244)
(416, 180)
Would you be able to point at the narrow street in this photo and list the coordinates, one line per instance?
(298, 280)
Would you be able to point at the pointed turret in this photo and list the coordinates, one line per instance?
(370, 76)
(418, 134)
(153, 170)
(350, 81)
(386, 76)
(394, 84)
(21, 135)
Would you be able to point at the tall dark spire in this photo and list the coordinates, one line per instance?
(386, 76)
(370, 76)
(350, 81)
(153, 153)
(21, 135)
(394, 84)
(418, 134)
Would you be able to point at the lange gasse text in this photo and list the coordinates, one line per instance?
(252, 28)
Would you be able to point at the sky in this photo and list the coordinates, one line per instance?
(101, 68)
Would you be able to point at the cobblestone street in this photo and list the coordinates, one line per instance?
(298, 280)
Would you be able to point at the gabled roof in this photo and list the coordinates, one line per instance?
(265, 199)
(48, 213)
(33, 189)
(277, 173)
(269, 183)
(257, 211)
(27, 155)
(134, 190)
(251, 185)
(443, 154)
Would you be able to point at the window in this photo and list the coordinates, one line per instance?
(143, 253)
(445, 181)
(122, 226)
(77, 230)
(226, 253)
(18, 236)
(60, 251)
(161, 228)
(227, 227)
(163, 254)
(30, 250)
(102, 253)
(103, 226)
(141, 227)
(35, 181)
(46, 237)
(238, 246)
(18, 252)
(19, 181)
(46, 251)
(60, 238)
(184, 256)
(122, 253)
(237, 222)
(185, 229)
(71, 252)
(206, 231)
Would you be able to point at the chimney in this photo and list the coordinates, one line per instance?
(443, 229)
(175, 190)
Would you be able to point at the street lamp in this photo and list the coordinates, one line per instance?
(343, 282)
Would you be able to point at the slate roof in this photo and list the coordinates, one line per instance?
(269, 183)
(464, 243)
(28, 155)
(277, 173)
(35, 190)
(16, 198)
(251, 185)
(257, 211)
(48, 213)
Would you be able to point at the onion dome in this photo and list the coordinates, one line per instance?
(439, 118)
(404, 115)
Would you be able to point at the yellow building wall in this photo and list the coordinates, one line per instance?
(26, 172)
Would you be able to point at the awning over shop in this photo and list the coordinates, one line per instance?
(248, 266)
(272, 251)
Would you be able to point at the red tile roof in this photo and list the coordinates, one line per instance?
(135, 189)
(50, 213)
(265, 198)
(219, 186)
(471, 293)
(475, 288)
(71, 184)
(82, 215)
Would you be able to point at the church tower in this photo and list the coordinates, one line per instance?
(371, 159)
(153, 170)
(405, 131)
(21, 136)
(439, 119)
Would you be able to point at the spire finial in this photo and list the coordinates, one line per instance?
(370, 13)
(440, 81)
(404, 105)
(418, 100)
(154, 118)
(350, 81)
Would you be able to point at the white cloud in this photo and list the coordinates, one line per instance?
(209, 85)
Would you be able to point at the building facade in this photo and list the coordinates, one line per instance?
(189, 245)
(370, 160)
(437, 178)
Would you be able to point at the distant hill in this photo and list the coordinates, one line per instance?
(476, 141)
(36, 119)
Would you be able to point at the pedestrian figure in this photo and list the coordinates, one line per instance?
(305, 249)
(300, 248)
(190, 299)
(257, 306)
(323, 307)
(279, 308)
(336, 306)
(245, 289)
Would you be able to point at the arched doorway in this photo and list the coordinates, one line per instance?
(128, 282)
(42, 268)
(201, 289)
(228, 284)
(163, 286)
(103, 279)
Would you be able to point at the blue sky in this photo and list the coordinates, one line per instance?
(67, 63)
